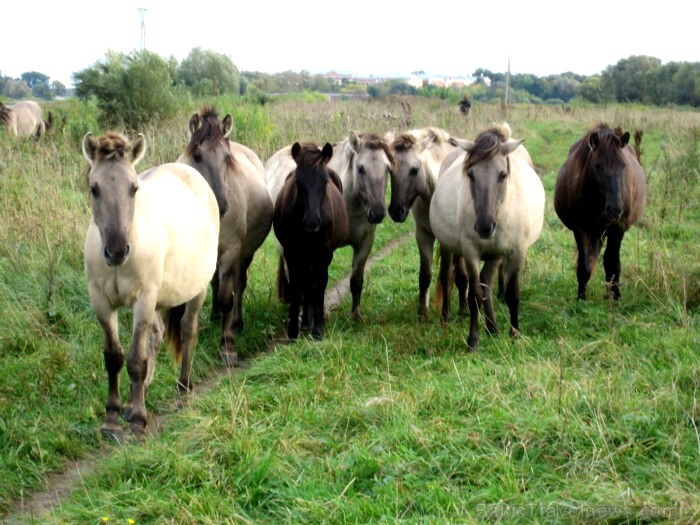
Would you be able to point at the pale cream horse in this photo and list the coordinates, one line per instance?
(24, 119)
(151, 246)
(488, 205)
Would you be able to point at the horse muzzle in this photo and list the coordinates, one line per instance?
(376, 214)
(398, 213)
(116, 257)
(485, 230)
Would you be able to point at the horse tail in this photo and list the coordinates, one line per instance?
(172, 321)
(49, 122)
(282, 282)
(638, 134)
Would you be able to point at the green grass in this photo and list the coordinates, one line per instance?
(591, 417)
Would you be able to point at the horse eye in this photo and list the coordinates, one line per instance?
(502, 176)
(134, 188)
(413, 172)
(470, 174)
(94, 190)
(361, 170)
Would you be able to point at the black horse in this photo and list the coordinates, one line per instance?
(600, 192)
(310, 221)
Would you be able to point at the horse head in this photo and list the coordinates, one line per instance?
(606, 167)
(113, 184)
(373, 161)
(209, 153)
(311, 178)
(488, 169)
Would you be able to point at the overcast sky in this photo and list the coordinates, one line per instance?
(362, 37)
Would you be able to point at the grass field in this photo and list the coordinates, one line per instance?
(591, 417)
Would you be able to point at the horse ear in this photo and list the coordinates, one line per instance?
(465, 144)
(227, 125)
(296, 150)
(138, 149)
(354, 141)
(390, 136)
(335, 179)
(194, 123)
(89, 147)
(509, 147)
(625, 138)
(593, 141)
(327, 152)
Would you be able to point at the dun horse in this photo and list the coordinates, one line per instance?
(310, 222)
(600, 192)
(150, 246)
(419, 154)
(237, 177)
(488, 205)
(24, 119)
(363, 162)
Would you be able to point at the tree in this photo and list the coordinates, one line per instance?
(32, 78)
(16, 89)
(591, 90)
(630, 79)
(58, 88)
(207, 73)
(130, 89)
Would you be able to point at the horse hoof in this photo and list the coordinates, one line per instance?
(472, 343)
(229, 358)
(112, 432)
(127, 413)
(138, 430)
(515, 333)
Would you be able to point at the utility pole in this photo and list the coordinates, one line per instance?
(142, 12)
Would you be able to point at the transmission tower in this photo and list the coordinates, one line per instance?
(142, 12)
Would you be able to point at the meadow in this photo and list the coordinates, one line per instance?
(591, 417)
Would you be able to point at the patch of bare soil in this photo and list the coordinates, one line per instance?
(29, 509)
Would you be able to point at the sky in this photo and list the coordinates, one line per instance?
(361, 37)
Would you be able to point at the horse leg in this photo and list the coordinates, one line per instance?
(462, 283)
(444, 278)
(588, 251)
(240, 285)
(154, 342)
(475, 300)
(486, 279)
(114, 360)
(189, 330)
(425, 241)
(511, 278)
(611, 263)
(227, 270)
(137, 364)
(215, 306)
(317, 290)
(295, 298)
(357, 279)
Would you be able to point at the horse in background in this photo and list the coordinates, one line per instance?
(363, 162)
(488, 205)
(310, 222)
(150, 246)
(237, 178)
(600, 192)
(24, 119)
(419, 154)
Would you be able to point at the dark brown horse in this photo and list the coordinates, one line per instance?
(600, 192)
(310, 221)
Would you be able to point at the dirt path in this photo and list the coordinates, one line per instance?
(59, 486)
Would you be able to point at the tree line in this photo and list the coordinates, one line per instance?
(142, 85)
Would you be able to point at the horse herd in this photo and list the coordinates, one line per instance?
(157, 239)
